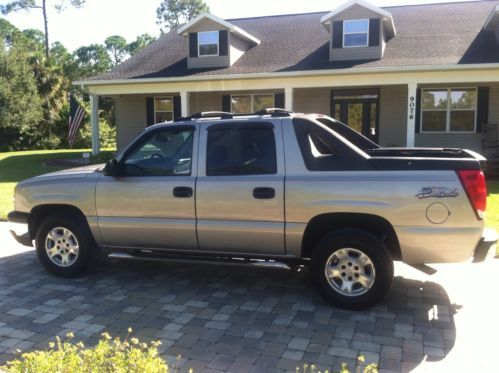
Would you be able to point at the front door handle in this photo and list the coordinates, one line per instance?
(264, 193)
(182, 192)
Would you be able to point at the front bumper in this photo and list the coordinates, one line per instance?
(18, 217)
(19, 223)
(486, 246)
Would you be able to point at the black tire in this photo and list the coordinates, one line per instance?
(87, 251)
(349, 244)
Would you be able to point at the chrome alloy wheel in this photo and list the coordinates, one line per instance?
(350, 272)
(62, 246)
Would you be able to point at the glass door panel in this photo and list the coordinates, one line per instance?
(354, 119)
(358, 109)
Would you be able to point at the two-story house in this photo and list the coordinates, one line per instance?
(419, 75)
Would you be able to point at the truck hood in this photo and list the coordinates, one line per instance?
(71, 173)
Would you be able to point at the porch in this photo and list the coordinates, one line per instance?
(390, 113)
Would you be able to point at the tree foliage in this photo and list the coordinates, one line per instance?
(34, 88)
(20, 104)
(92, 60)
(172, 13)
(17, 5)
(116, 46)
(140, 43)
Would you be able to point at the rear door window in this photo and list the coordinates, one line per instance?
(241, 150)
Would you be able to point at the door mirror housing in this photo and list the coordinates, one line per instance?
(112, 168)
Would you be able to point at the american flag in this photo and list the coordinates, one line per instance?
(76, 115)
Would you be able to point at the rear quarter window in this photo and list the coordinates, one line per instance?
(323, 151)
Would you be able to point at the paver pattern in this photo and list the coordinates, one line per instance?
(244, 318)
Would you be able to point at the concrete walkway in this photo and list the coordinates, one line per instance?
(249, 318)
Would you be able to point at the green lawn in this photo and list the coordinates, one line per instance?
(16, 166)
(493, 204)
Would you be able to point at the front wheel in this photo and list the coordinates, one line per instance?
(64, 245)
(352, 269)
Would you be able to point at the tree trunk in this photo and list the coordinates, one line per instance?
(45, 21)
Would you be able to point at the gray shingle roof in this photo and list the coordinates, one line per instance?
(436, 34)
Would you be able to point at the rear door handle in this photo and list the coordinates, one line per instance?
(182, 192)
(264, 193)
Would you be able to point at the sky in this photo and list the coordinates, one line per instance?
(98, 19)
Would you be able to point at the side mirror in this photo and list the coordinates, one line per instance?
(112, 168)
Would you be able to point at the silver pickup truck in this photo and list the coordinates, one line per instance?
(274, 186)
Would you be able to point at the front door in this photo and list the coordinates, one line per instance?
(152, 204)
(359, 109)
(240, 189)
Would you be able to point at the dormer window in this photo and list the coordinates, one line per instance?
(208, 43)
(359, 31)
(223, 47)
(355, 33)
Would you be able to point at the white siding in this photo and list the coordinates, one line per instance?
(131, 118)
(205, 101)
(393, 115)
(312, 100)
(494, 104)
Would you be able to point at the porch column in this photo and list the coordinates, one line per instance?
(411, 113)
(94, 120)
(288, 99)
(184, 104)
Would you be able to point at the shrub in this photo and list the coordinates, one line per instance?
(360, 368)
(102, 157)
(109, 355)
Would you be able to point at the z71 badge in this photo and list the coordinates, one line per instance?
(437, 192)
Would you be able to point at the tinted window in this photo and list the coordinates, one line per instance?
(162, 153)
(241, 151)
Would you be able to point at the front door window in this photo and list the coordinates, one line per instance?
(358, 109)
(166, 152)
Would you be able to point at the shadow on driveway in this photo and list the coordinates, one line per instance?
(222, 317)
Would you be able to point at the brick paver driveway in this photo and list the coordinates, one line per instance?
(249, 318)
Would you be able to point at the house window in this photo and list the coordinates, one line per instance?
(208, 43)
(163, 109)
(251, 103)
(448, 110)
(356, 33)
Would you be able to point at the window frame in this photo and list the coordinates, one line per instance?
(353, 33)
(163, 111)
(252, 95)
(217, 43)
(448, 110)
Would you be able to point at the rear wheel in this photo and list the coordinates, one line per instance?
(64, 245)
(352, 269)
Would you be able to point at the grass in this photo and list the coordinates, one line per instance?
(16, 166)
(492, 219)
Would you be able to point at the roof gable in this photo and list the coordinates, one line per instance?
(386, 16)
(184, 30)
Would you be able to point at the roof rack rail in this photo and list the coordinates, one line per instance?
(206, 114)
(212, 114)
(275, 112)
